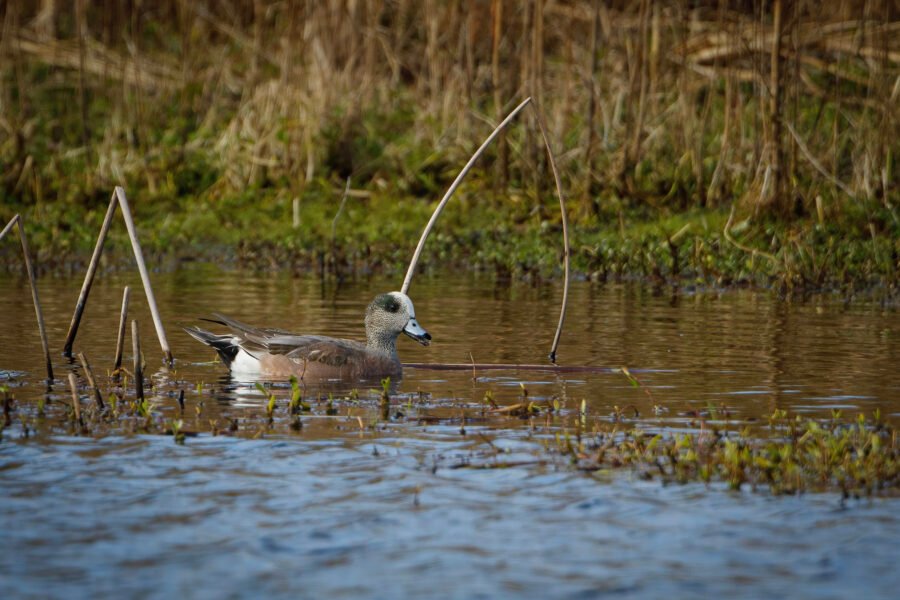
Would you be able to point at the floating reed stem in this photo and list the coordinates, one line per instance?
(38, 313)
(452, 189)
(123, 318)
(76, 404)
(89, 278)
(507, 367)
(565, 226)
(145, 276)
(89, 375)
(138, 367)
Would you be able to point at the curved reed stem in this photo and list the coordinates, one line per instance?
(452, 189)
(565, 226)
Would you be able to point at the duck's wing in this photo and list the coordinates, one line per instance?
(274, 341)
(238, 327)
(330, 351)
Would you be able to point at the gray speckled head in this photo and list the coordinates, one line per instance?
(387, 317)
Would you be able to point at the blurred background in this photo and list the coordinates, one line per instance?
(656, 110)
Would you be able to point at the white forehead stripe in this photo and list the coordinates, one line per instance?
(406, 302)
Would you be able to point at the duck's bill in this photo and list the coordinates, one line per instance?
(415, 331)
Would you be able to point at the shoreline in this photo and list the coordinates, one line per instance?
(119, 262)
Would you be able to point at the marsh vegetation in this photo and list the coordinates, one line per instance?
(234, 126)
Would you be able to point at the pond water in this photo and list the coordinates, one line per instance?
(354, 505)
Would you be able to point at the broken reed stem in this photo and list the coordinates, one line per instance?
(138, 367)
(507, 367)
(145, 276)
(89, 278)
(29, 269)
(89, 375)
(76, 404)
(565, 226)
(456, 182)
(120, 198)
(123, 319)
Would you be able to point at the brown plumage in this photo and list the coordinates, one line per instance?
(274, 353)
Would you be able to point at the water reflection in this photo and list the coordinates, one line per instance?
(746, 349)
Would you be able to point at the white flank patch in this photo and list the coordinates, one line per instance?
(245, 364)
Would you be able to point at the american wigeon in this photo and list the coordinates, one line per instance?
(274, 353)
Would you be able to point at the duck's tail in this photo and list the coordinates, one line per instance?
(223, 344)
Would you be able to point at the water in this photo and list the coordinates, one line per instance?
(354, 506)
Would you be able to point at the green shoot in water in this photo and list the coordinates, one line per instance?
(270, 405)
(177, 434)
(295, 394)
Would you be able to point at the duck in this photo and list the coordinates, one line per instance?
(266, 353)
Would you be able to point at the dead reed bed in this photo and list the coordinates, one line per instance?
(783, 109)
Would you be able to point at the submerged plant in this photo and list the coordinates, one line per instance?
(175, 426)
(330, 409)
(386, 398)
(7, 406)
(860, 457)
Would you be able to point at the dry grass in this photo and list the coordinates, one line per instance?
(681, 104)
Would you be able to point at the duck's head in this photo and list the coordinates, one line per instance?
(391, 314)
